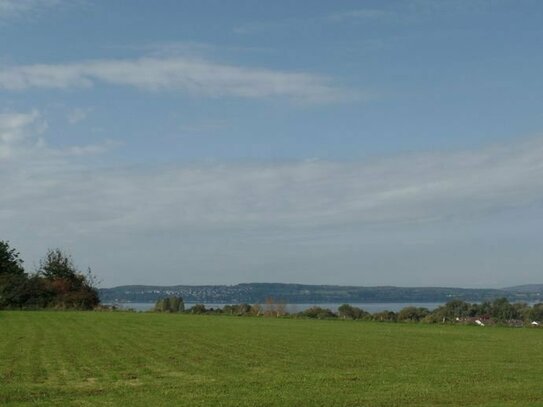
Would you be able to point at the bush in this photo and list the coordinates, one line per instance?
(318, 313)
(170, 304)
(413, 314)
(347, 311)
(385, 316)
(56, 284)
(198, 309)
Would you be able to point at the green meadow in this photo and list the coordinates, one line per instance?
(145, 359)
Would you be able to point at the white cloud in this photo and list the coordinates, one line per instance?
(293, 221)
(16, 129)
(188, 75)
(77, 115)
(427, 186)
(16, 8)
(297, 22)
(358, 14)
(22, 144)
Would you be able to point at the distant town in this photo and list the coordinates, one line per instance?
(302, 293)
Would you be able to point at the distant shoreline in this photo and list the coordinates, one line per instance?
(306, 294)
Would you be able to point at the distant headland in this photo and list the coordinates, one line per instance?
(304, 293)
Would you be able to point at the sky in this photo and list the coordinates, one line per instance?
(222, 142)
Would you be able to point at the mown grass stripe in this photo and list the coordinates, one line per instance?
(87, 358)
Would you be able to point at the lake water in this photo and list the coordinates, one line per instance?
(293, 308)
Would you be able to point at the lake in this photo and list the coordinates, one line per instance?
(293, 308)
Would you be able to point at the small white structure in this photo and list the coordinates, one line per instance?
(535, 323)
(479, 322)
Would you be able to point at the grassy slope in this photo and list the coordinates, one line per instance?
(90, 358)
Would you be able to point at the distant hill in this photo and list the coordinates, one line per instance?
(526, 288)
(302, 293)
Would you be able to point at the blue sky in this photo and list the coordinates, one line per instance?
(353, 142)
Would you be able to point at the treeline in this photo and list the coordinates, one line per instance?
(56, 284)
(499, 311)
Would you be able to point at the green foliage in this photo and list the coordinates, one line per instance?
(318, 313)
(10, 262)
(452, 311)
(170, 304)
(198, 309)
(499, 311)
(536, 313)
(57, 284)
(57, 265)
(413, 314)
(503, 310)
(347, 311)
(385, 316)
(70, 287)
(239, 310)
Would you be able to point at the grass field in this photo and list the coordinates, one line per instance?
(90, 358)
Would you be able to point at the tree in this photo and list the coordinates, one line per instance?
(57, 265)
(413, 314)
(198, 309)
(170, 304)
(536, 313)
(10, 262)
(451, 311)
(318, 313)
(69, 287)
(13, 279)
(348, 311)
(256, 309)
(273, 308)
(385, 316)
(503, 310)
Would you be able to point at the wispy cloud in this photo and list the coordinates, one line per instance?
(357, 14)
(18, 130)
(78, 114)
(21, 141)
(188, 75)
(408, 11)
(353, 15)
(188, 214)
(398, 189)
(18, 8)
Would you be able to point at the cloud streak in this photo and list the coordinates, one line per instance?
(181, 74)
(421, 187)
(17, 8)
(353, 15)
(259, 216)
(22, 144)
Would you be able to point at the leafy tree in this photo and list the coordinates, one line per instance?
(274, 308)
(170, 304)
(237, 309)
(162, 305)
(318, 313)
(503, 310)
(256, 310)
(412, 314)
(452, 310)
(10, 262)
(536, 313)
(13, 280)
(198, 309)
(57, 265)
(69, 287)
(385, 316)
(347, 311)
